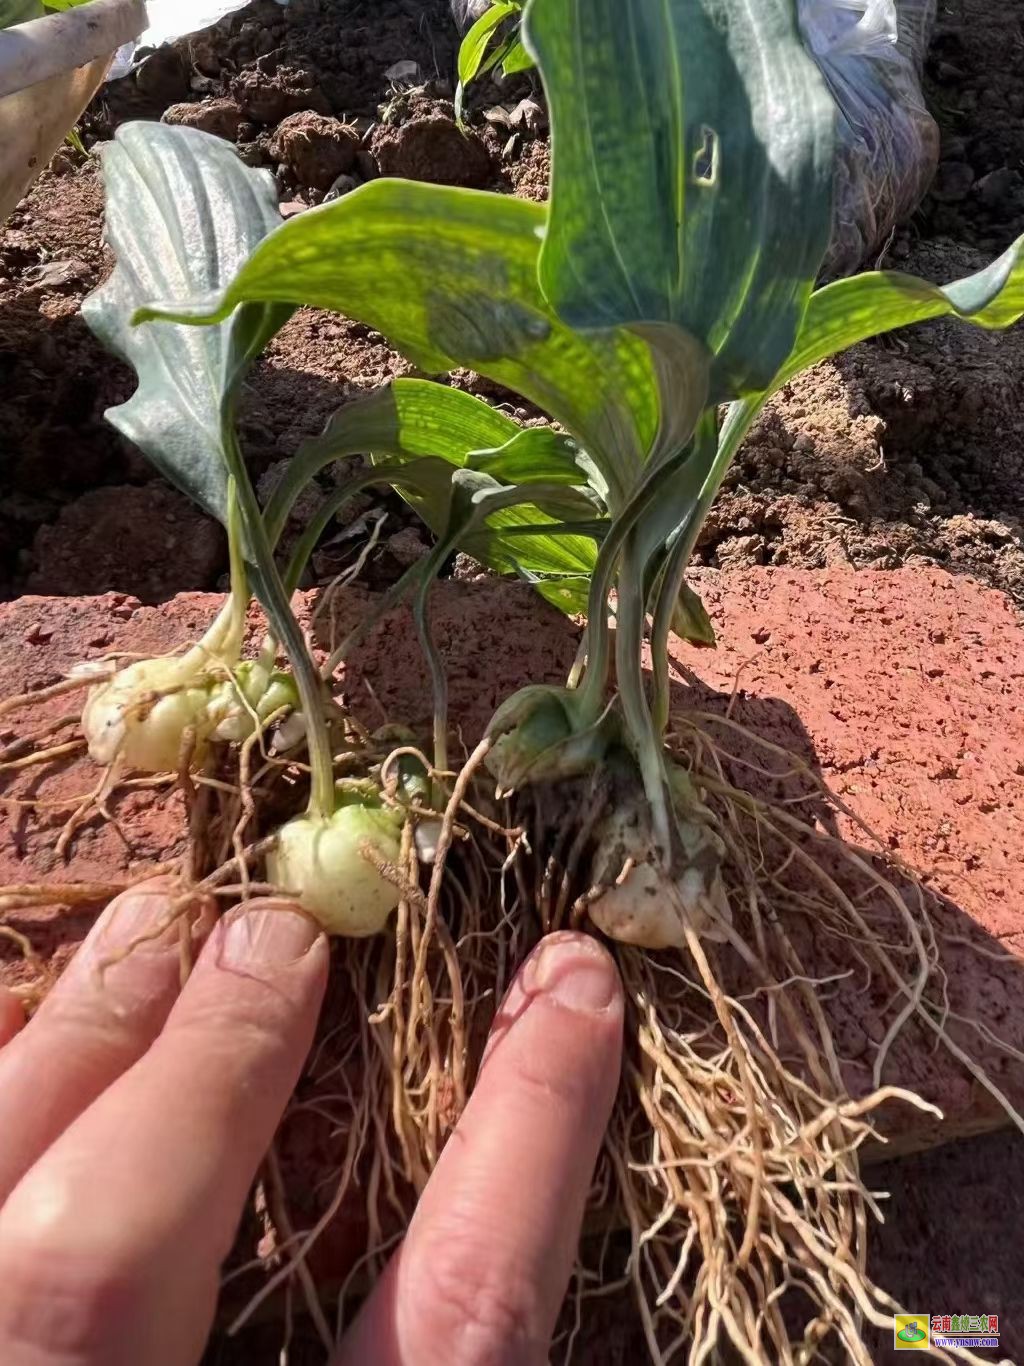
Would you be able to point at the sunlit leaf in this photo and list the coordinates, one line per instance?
(692, 145)
(849, 311)
(478, 39)
(516, 59)
(426, 425)
(454, 283)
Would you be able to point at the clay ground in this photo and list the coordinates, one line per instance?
(904, 455)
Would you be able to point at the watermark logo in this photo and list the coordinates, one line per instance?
(965, 1330)
(918, 1332)
(911, 1332)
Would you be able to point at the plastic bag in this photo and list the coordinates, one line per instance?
(467, 12)
(872, 54)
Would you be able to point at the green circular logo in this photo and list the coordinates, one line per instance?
(911, 1334)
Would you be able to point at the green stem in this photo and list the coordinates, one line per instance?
(705, 444)
(438, 673)
(277, 605)
(224, 637)
(629, 643)
(639, 506)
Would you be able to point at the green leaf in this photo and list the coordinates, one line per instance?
(454, 283)
(692, 168)
(424, 425)
(183, 213)
(19, 12)
(849, 311)
(690, 620)
(533, 455)
(478, 39)
(516, 59)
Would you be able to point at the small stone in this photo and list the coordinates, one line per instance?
(58, 274)
(37, 634)
(344, 185)
(407, 71)
(530, 115)
(997, 186)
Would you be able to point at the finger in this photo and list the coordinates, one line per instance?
(124, 1223)
(12, 1016)
(99, 1018)
(484, 1268)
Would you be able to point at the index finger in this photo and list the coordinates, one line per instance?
(92, 1027)
(487, 1260)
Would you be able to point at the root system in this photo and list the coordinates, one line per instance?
(734, 1158)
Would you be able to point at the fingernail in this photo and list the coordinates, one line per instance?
(265, 937)
(576, 972)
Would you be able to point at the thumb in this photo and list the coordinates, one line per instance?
(485, 1265)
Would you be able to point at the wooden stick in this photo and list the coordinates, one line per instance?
(62, 42)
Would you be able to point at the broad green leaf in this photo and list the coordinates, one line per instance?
(690, 620)
(849, 311)
(692, 171)
(19, 11)
(450, 277)
(478, 39)
(183, 213)
(416, 422)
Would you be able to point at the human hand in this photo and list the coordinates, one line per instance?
(133, 1121)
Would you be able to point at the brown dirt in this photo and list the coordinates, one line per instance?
(168, 542)
(902, 691)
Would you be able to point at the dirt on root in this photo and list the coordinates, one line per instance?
(906, 450)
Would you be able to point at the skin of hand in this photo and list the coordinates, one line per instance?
(134, 1117)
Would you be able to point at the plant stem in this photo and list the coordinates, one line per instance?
(704, 448)
(629, 641)
(596, 679)
(277, 606)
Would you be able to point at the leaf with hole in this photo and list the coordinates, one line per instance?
(692, 171)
